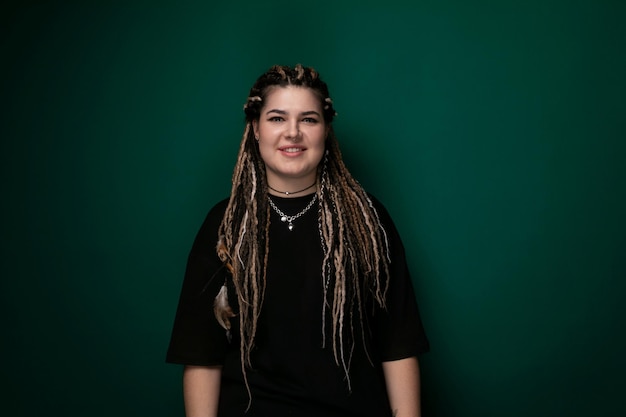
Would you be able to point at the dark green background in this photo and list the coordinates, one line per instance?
(492, 130)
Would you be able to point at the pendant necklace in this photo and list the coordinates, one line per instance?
(291, 192)
(290, 219)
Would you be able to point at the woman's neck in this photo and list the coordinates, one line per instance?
(297, 189)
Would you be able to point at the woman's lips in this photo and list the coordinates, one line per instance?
(291, 150)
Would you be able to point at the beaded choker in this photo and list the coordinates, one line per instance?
(291, 192)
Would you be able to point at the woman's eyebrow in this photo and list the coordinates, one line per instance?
(276, 111)
(304, 113)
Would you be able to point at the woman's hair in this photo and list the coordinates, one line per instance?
(354, 243)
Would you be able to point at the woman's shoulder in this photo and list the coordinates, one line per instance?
(379, 207)
(208, 232)
(218, 210)
(384, 217)
(375, 201)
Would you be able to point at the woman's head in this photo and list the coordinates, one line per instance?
(291, 137)
(289, 118)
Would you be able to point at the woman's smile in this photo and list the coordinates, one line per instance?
(292, 151)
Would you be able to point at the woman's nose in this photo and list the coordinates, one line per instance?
(293, 130)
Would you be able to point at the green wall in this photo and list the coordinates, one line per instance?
(492, 130)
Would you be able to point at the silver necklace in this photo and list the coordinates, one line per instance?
(290, 219)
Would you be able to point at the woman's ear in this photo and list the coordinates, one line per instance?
(255, 128)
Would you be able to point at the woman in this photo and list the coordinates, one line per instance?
(297, 299)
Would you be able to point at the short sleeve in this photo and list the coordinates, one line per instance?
(197, 338)
(398, 330)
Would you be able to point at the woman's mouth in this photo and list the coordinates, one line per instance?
(292, 149)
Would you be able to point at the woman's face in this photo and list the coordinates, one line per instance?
(291, 134)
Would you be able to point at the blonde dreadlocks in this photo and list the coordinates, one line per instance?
(354, 243)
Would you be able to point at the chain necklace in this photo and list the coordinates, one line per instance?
(291, 192)
(290, 219)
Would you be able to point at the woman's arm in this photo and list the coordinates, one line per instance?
(402, 378)
(201, 390)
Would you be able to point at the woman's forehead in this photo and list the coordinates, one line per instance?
(292, 96)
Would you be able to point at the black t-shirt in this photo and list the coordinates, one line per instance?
(292, 375)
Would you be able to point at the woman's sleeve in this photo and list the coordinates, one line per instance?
(398, 329)
(197, 338)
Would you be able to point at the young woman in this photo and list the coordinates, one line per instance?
(297, 300)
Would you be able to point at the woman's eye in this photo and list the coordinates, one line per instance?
(275, 119)
(310, 120)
